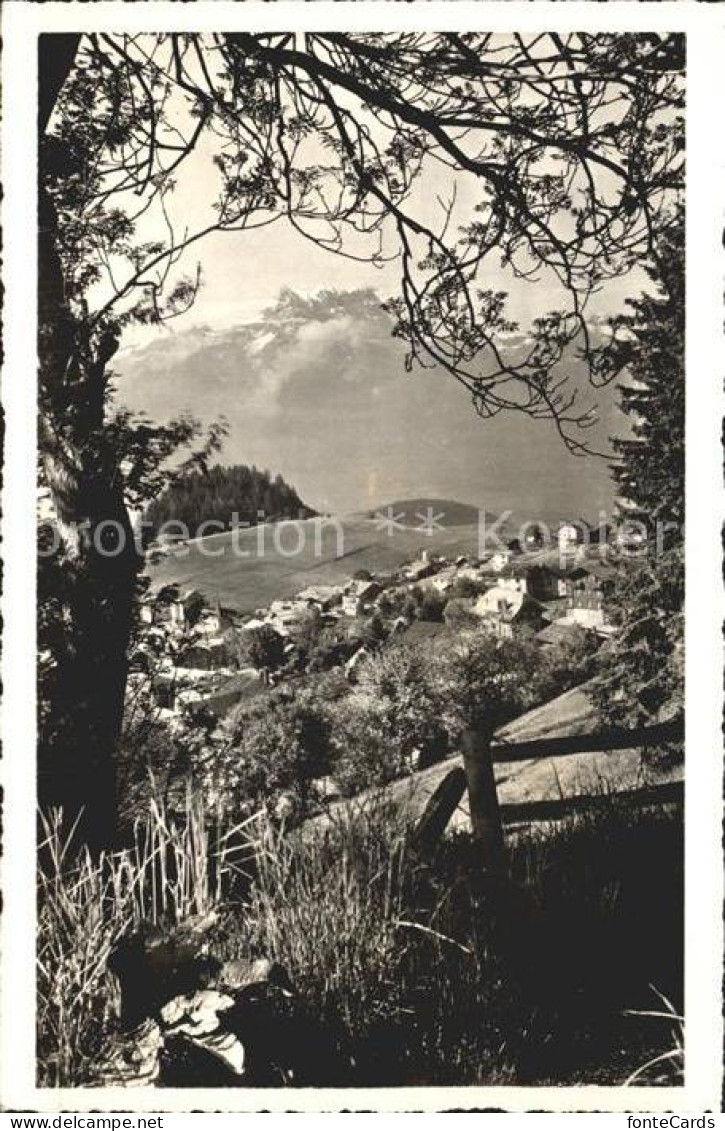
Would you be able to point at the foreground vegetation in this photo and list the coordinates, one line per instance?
(408, 970)
(404, 708)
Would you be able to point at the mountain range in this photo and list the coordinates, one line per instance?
(316, 388)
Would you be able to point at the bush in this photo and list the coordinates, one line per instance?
(272, 749)
(309, 632)
(431, 973)
(264, 647)
(466, 587)
(459, 615)
(392, 723)
(398, 603)
(567, 663)
(432, 606)
(485, 681)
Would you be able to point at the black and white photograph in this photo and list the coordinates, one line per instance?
(354, 743)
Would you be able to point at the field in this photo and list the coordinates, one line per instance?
(249, 569)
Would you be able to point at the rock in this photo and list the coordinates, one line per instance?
(264, 1018)
(238, 973)
(206, 1022)
(195, 1014)
(225, 1047)
(216, 1060)
(284, 1044)
(133, 1059)
(194, 1029)
(152, 968)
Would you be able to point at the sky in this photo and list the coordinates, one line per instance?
(327, 401)
(319, 392)
(243, 272)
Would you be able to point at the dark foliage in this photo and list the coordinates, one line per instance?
(264, 647)
(525, 980)
(222, 496)
(642, 670)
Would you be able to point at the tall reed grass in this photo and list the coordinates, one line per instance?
(412, 970)
(176, 867)
(432, 971)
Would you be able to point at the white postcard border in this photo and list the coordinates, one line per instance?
(705, 606)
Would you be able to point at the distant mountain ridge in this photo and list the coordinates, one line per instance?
(445, 512)
(316, 388)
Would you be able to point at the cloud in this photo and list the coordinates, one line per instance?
(316, 388)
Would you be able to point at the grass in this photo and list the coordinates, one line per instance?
(410, 970)
(667, 1066)
(429, 971)
(174, 870)
(250, 582)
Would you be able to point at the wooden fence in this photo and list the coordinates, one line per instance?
(489, 816)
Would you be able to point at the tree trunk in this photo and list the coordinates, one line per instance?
(78, 747)
(94, 569)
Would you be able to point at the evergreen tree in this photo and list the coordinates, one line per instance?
(219, 493)
(642, 671)
(651, 471)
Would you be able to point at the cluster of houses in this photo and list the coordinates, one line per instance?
(533, 598)
(525, 591)
(189, 650)
(354, 598)
(196, 649)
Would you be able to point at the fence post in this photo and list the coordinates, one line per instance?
(483, 798)
(440, 808)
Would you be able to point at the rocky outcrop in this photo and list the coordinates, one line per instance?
(190, 1019)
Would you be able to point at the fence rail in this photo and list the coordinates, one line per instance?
(513, 813)
(604, 742)
(488, 815)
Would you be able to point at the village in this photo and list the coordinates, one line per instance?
(201, 657)
(353, 762)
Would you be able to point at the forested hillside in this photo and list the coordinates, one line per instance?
(222, 492)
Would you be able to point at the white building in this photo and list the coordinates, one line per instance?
(500, 560)
(359, 597)
(185, 611)
(570, 535)
(322, 597)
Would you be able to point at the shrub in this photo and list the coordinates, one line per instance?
(391, 723)
(398, 602)
(466, 587)
(273, 748)
(567, 663)
(459, 615)
(264, 647)
(432, 605)
(309, 632)
(485, 681)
